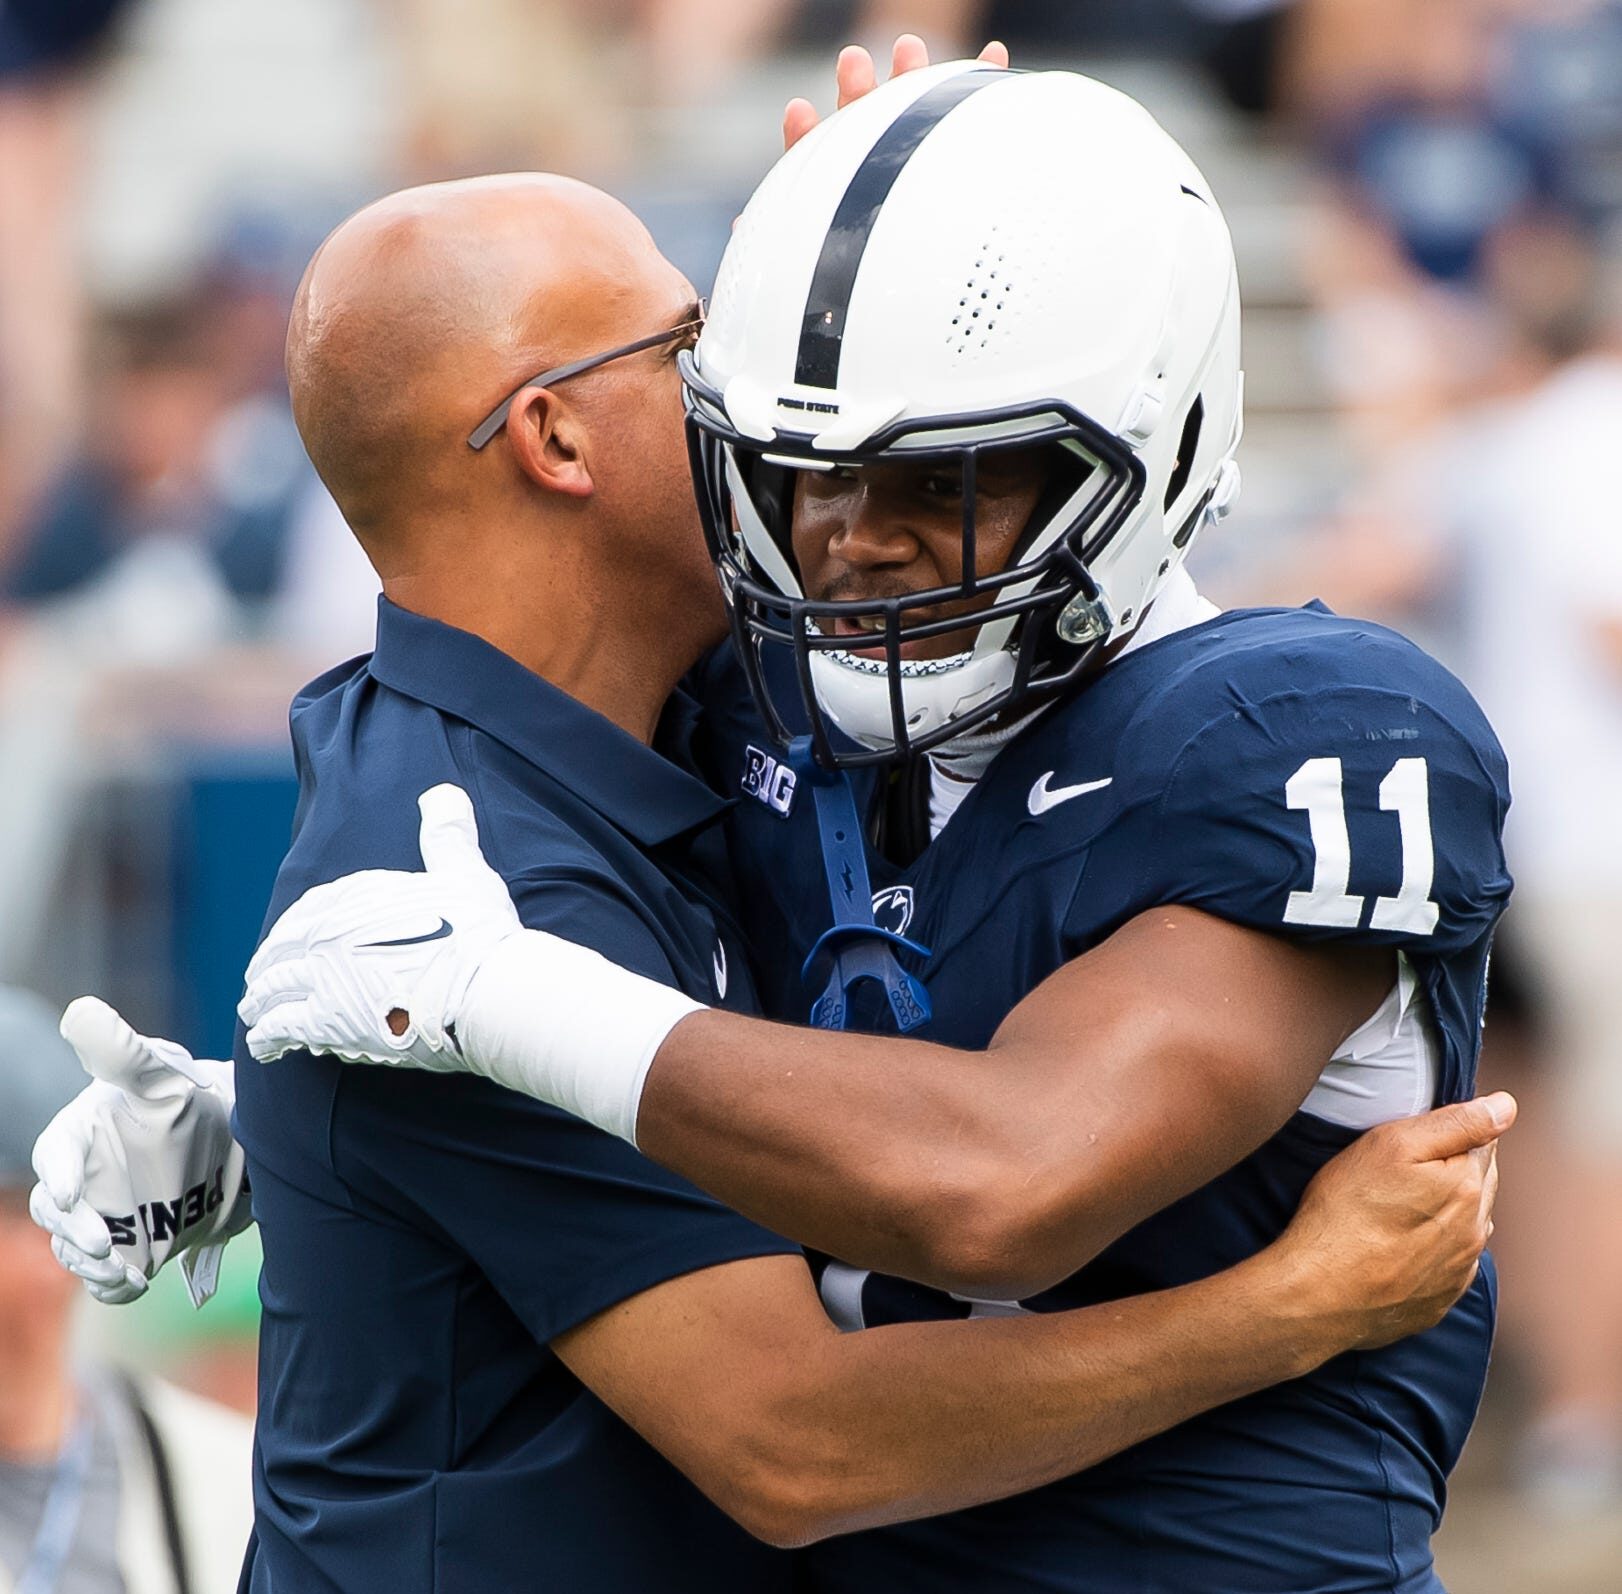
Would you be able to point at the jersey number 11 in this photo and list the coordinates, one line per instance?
(1317, 787)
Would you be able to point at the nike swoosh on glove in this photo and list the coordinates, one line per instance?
(141, 1166)
(444, 955)
(382, 943)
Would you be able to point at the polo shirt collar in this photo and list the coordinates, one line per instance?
(638, 790)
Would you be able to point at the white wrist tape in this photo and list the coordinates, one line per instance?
(563, 1024)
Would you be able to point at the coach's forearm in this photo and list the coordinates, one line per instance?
(996, 1406)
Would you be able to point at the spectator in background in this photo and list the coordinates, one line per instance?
(1489, 525)
(733, 35)
(142, 473)
(84, 1447)
(1472, 336)
(177, 509)
(1527, 496)
(1237, 38)
(1444, 124)
(499, 85)
(44, 47)
(128, 529)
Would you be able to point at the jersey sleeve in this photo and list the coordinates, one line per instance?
(563, 1219)
(1343, 812)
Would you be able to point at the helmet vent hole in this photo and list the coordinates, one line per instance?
(984, 300)
(1187, 447)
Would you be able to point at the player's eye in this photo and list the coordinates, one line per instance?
(835, 482)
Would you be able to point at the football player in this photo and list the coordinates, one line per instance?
(1124, 871)
(480, 1311)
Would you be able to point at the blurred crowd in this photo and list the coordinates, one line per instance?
(1434, 188)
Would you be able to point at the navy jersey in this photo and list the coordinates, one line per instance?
(1288, 770)
(426, 1235)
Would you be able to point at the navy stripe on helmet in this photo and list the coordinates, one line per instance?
(822, 334)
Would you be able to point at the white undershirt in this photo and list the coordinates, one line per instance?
(1385, 1069)
(1177, 606)
(946, 794)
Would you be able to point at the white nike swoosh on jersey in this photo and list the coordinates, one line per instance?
(719, 963)
(1043, 797)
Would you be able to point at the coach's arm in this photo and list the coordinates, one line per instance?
(799, 1432)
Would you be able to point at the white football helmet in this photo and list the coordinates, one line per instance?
(968, 259)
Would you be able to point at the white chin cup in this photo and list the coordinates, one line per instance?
(855, 692)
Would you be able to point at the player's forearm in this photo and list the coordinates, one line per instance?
(892, 1155)
(917, 1419)
(1104, 1096)
(993, 1173)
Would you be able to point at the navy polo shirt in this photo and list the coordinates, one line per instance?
(426, 1235)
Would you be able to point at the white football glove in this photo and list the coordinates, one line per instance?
(140, 1166)
(444, 956)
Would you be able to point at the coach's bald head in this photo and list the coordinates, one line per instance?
(413, 321)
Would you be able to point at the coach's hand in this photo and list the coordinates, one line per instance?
(856, 75)
(435, 970)
(140, 1167)
(1390, 1233)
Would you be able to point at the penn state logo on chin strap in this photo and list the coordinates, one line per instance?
(893, 908)
(859, 947)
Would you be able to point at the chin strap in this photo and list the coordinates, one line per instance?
(859, 948)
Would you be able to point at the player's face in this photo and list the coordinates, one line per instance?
(887, 530)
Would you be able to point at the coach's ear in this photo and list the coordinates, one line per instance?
(548, 441)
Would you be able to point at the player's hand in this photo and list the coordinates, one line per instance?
(140, 1167)
(375, 967)
(434, 970)
(856, 75)
(1390, 1233)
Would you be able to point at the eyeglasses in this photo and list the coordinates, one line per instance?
(497, 418)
